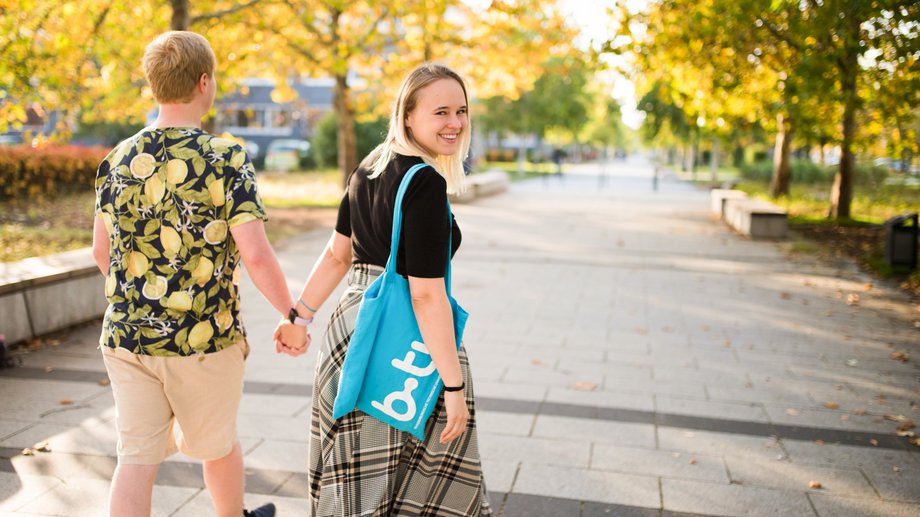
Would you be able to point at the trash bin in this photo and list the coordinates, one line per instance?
(901, 241)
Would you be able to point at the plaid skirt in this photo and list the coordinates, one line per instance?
(360, 466)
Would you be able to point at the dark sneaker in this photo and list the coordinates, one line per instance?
(266, 510)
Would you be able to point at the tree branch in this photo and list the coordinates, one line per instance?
(219, 14)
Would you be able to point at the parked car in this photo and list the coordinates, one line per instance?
(286, 154)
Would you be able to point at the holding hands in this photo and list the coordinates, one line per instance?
(291, 339)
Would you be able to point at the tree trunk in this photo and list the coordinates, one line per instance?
(180, 17)
(779, 184)
(714, 160)
(345, 128)
(842, 191)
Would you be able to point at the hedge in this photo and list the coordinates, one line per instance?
(806, 171)
(27, 172)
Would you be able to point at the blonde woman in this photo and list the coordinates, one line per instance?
(359, 465)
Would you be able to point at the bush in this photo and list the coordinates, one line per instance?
(325, 149)
(27, 172)
(806, 171)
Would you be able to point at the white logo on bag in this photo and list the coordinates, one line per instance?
(405, 396)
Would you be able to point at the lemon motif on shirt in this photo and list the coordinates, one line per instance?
(176, 171)
(154, 188)
(110, 284)
(223, 319)
(200, 336)
(216, 188)
(170, 240)
(142, 165)
(215, 232)
(138, 264)
(179, 301)
(203, 271)
(156, 289)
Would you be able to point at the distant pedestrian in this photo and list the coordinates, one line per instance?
(176, 209)
(359, 465)
(558, 156)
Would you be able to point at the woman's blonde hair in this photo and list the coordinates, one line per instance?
(174, 62)
(399, 139)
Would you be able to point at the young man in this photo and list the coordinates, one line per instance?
(176, 209)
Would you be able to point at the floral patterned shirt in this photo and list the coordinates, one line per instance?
(168, 198)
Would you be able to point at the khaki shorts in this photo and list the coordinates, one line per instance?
(165, 404)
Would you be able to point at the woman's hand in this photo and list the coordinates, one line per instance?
(291, 339)
(458, 415)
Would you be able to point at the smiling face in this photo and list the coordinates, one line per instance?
(439, 117)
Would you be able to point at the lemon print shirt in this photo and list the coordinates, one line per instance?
(168, 197)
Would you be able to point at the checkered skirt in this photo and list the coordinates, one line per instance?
(361, 466)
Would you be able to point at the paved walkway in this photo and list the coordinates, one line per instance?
(631, 357)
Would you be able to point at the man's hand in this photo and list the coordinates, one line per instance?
(291, 339)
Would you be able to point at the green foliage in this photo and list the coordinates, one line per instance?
(809, 172)
(106, 133)
(26, 172)
(324, 146)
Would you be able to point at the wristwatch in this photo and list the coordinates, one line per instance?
(294, 318)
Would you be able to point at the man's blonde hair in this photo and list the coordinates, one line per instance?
(399, 139)
(174, 62)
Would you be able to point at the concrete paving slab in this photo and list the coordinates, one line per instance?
(700, 497)
(581, 429)
(747, 411)
(707, 442)
(796, 476)
(508, 449)
(580, 484)
(653, 462)
(278, 455)
(87, 497)
(91, 438)
(273, 405)
(18, 490)
(503, 423)
(25, 399)
(604, 398)
(499, 475)
(830, 506)
(835, 455)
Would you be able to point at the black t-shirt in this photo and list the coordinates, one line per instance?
(366, 215)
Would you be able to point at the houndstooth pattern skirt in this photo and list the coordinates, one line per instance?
(360, 466)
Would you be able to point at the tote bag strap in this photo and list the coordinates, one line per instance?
(397, 224)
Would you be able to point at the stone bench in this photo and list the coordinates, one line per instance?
(483, 184)
(718, 196)
(755, 218)
(39, 295)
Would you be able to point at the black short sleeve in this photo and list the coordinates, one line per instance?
(343, 221)
(426, 225)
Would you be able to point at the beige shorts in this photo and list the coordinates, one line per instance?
(165, 404)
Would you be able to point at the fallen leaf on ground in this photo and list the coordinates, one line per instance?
(830, 404)
(640, 330)
(897, 418)
(28, 452)
(915, 441)
(819, 442)
(907, 424)
(852, 362)
(859, 412)
(907, 434)
(48, 369)
(896, 468)
(874, 442)
(844, 417)
(785, 296)
(104, 382)
(585, 386)
(868, 286)
(814, 484)
(53, 342)
(693, 461)
(65, 402)
(900, 356)
(42, 447)
(853, 299)
(793, 412)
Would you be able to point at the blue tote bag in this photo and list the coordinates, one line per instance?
(388, 373)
